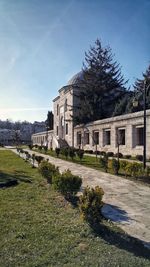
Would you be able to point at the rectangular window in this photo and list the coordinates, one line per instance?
(57, 109)
(57, 130)
(96, 138)
(106, 137)
(86, 138)
(66, 128)
(78, 138)
(121, 136)
(140, 136)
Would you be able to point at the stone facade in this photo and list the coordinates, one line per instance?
(105, 135)
(125, 131)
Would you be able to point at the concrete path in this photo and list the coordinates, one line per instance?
(128, 202)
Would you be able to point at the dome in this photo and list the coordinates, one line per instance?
(76, 78)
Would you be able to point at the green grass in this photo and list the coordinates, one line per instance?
(39, 228)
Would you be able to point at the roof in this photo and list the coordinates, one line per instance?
(76, 78)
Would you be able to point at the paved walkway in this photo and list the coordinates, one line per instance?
(128, 203)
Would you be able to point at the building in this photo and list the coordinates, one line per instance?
(125, 131)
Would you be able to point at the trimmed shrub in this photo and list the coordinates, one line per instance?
(110, 154)
(47, 170)
(120, 155)
(134, 169)
(139, 157)
(66, 183)
(90, 204)
(30, 147)
(80, 154)
(65, 152)
(39, 159)
(45, 149)
(72, 152)
(40, 148)
(147, 171)
(57, 151)
(104, 163)
(115, 165)
(123, 166)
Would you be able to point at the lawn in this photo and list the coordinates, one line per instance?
(39, 228)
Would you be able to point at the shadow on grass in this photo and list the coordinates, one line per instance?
(8, 180)
(120, 239)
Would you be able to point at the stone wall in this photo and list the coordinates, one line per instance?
(129, 125)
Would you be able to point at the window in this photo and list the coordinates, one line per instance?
(78, 138)
(66, 128)
(57, 130)
(96, 138)
(121, 136)
(86, 138)
(65, 105)
(57, 109)
(140, 136)
(106, 137)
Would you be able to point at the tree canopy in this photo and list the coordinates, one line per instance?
(50, 120)
(126, 105)
(101, 87)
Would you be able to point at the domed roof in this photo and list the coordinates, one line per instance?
(76, 78)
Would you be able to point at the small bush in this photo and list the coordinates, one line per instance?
(65, 152)
(72, 152)
(30, 147)
(147, 171)
(40, 148)
(134, 169)
(110, 154)
(115, 165)
(47, 170)
(104, 163)
(123, 166)
(90, 204)
(45, 149)
(67, 183)
(120, 155)
(139, 157)
(57, 151)
(39, 159)
(80, 154)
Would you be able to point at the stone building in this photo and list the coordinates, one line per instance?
(103, 135)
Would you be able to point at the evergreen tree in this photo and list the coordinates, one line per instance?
(139, 89)
(138, 93)
(50, 120)
(102, 85)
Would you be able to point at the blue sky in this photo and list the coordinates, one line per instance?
(42, 45)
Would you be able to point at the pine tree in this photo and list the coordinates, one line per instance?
(138, 92)
(102, 85)
(50, 120)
